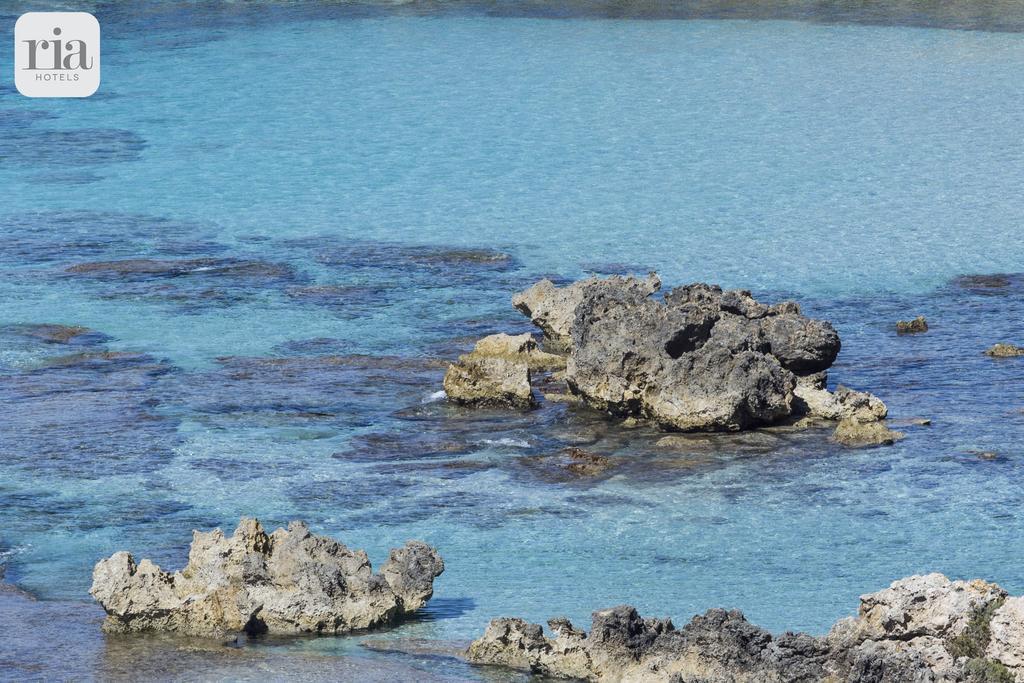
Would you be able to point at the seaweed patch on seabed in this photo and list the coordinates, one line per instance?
(40, 147)
(191, 284)
(342, 300)
(64, 237)
(84, 413)
(431, 266)
(15, 119)
(336, 392)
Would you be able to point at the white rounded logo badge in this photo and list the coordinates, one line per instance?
(57, 54)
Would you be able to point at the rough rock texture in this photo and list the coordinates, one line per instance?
(497, 373)
(553, 309)
(696, 359)
(522, 347)
(1005, 351)
(1006, 636)
(494, 381)
(915, 326)
(290, 581)
(923, 628)
(702, 359)
(857, 434)
(815, 400)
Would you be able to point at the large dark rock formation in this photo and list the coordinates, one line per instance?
(695, 359)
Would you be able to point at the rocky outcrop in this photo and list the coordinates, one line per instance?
(553, 309)
(856, 434)
(289, 581)
(701, 359)
(497, 373)
(915, 326)
(1006, 636)
(695, 359)
(520, 348)
(1005, 351)
(923, 628)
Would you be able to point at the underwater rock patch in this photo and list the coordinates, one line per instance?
(71, 148)
(1004, 351)
(49, 333)
(916, 326)
(994, 281)
(570, 463)
(205, 267)
(907, 632)
(289, 581)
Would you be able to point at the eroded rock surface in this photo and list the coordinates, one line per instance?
(498, 372)
(289, 581)
(702, 359)
(553, 309)
(915, 326)
(696, 359)
(922, 628)
(1004, 351)
(857, 434)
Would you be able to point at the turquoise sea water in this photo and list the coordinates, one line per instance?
(330, 168)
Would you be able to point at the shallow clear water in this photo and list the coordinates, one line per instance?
(858, 169)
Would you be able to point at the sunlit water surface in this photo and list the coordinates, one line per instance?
(327, 167)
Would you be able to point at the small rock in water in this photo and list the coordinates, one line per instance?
(585, 463)
(915, 326)
(290, 581)
(922, 628)
(985, 455)
(856, 434)
(1005, 351)
(490, 381)
(497, 373)
(572, 461)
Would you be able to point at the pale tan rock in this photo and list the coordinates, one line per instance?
(916, 326)
(929, 605)
(489, 381)
(290, 581)
(818, 402)
(860, 405)
(521, 347)
(1005, 351)
(1006, 644)
(856, 434)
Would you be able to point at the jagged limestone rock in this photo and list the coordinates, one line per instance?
(906, 632)
(289, 581)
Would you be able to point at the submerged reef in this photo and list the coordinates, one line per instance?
(697, 358)
(916, 326)
(921, 628)
(1005, 351)
(289, 581)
